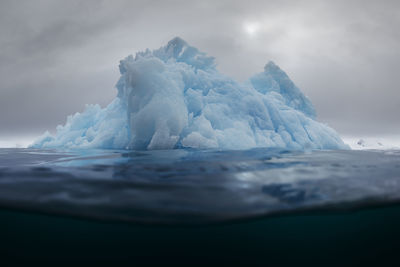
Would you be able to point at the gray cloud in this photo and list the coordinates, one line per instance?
(56, 56)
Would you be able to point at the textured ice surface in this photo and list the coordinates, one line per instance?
(174, 97)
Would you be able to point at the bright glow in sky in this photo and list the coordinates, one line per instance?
(252, 28)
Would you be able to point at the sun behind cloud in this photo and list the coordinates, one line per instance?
(251, 28)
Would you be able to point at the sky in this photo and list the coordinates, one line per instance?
(57, 56)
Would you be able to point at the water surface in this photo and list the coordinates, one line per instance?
(195, 186)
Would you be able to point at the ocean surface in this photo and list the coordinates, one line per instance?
(195, 186)
(258, 207)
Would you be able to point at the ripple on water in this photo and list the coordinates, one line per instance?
(194, 186)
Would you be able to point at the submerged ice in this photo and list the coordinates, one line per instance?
(174, 97)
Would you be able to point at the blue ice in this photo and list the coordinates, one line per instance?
(174, 97)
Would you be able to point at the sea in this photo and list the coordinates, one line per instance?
(187, 207)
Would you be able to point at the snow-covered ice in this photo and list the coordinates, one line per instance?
(174, 97)
(380, 142)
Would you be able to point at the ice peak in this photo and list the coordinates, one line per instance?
(181, 51)
(275, 79)
(176, 45)
(271, 66)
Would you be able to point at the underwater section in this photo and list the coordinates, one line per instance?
(174, 97)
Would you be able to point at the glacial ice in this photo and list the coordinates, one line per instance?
(174, 97)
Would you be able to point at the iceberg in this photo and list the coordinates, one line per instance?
(174, 97)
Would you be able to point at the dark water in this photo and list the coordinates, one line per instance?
(199, 208)
(367, 237)
(195, 187)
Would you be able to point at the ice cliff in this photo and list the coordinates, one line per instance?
(174, 97)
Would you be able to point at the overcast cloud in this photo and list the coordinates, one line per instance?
(57, 56)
